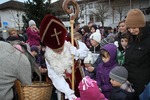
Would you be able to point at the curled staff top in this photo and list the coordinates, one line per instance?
(65, 5)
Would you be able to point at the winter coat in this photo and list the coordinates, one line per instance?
(33, 37)
(137, 60)
(120, 57)
(12, 38)
(14, 65)
(95, 49)
(95, 65)
(120, 94)
(102, 74)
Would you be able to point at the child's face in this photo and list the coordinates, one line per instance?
(33, 26)
(13, 33)
(93, 29)
(105, 60)
(78, 37)
(124, 42)
(93, 42)
(33, 53)
(115, 83)
(122, 27)
(87, 65)
(43, 48)
(105, 57)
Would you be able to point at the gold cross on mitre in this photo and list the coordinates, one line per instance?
(56, 35)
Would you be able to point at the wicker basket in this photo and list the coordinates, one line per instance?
(36, 91)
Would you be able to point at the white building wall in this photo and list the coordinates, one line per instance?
(10, 16)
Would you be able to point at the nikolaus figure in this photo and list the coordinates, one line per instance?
(58, 55)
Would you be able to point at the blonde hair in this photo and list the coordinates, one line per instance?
(12, 29)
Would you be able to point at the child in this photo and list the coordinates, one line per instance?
(34, 51)
(13, 35)
(95, 40)
(108, 54)
(89, 90)
(41, 59)
(122, 89)
(123, 42)
(33, 34)
(88, 61)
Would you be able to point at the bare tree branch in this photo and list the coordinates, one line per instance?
(101, 12)
(118, 7)
(16, 17)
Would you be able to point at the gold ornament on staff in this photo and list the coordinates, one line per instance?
(73, 16)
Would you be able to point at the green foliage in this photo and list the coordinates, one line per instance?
(36, 10)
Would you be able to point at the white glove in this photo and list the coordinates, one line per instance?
(72, 97)
(116, 44)
(73, 51)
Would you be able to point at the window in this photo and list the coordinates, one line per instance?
(82, 17)
(90, 5)
(91, 17)
(81, 7)
(97, 19)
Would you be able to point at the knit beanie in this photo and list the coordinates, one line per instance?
(89, 59)
(96, 36)
(135, 18)
(89, 90)
(34, 48)
(32, 22)
(106, 41)
(119, 74)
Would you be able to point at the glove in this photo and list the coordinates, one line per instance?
(72, 97)
(73, 51)
(116, 44)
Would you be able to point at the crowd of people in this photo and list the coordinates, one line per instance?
(110, 64)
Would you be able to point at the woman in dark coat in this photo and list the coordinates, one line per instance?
(137, 57)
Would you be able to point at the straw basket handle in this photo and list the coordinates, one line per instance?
(19, 90)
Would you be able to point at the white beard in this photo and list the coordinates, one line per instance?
(60, 63)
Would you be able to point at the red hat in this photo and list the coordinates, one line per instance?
(52, 32)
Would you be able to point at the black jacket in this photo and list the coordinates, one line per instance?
(137, 60)
(120, 94)
(95, 49)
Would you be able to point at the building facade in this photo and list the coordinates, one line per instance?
(109, 12)
(11, 14)
(114, 10)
